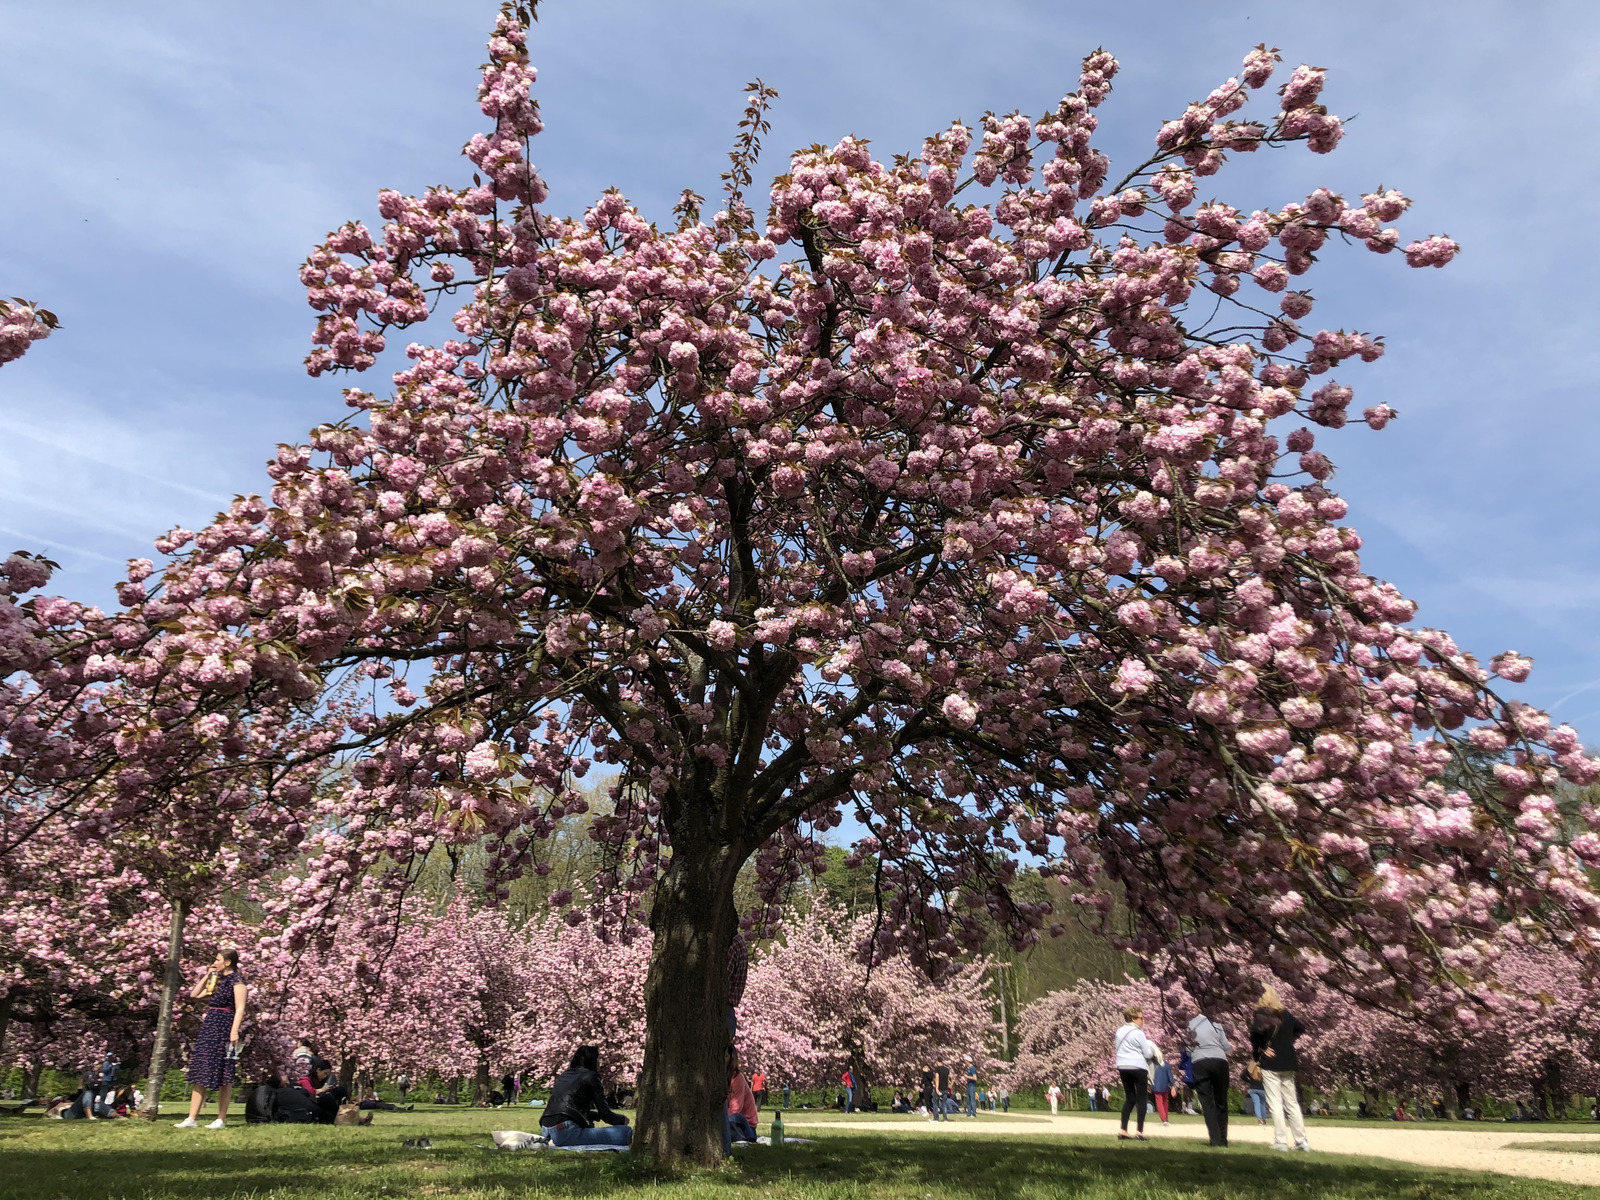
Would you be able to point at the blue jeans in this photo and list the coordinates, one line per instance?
(849, 1099)
(972, 1098)
(740, 1129)
(569, 1133)
(1258, 1098)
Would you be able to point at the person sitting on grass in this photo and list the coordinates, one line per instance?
(901, 1103)
(325, 1091)
(576, 1099)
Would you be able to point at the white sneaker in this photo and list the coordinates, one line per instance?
(217, 1124)
(187, 1123)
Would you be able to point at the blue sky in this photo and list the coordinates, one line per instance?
(168, 165)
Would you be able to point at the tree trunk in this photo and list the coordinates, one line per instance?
(453, 1095)
(481, 1085)
(347, 1075)
(1463, 1098)
(5, 1018)
(684, 1084)
(1555, 1089)
(151, 1108)
(1005, 1022)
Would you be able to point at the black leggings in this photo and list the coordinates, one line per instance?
(1133, 1095)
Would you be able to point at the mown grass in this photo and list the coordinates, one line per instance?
(129, 1160)
(1562, 1147)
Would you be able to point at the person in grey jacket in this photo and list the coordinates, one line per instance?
(1209, 1056)
(1135, 1052)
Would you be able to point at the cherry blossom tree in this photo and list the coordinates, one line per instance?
(814, 1005)
(1067, 1037)
(954, 494)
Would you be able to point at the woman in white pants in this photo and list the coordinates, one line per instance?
(1272, 1036)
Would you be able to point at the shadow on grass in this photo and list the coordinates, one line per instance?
(317, 1163)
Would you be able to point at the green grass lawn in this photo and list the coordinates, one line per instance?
(129, 1160)
(1563, 1147)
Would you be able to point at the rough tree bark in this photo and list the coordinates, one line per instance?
(481, 1085)
(5, 1016)
(684, 1085)
(151, 1108)
(1463, 1097)
(347, 1076)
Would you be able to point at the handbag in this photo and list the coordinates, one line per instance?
(1254, 1070)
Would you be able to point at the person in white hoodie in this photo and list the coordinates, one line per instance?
(1134, 1054)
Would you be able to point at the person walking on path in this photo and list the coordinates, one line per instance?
(1053, 1094)
(1161, 1089)
(927, 1090)
(972, 1088)
(1134, 1054)
(1208, 1061)
(758, 1088)
(1250, 1080)
(1272, 1036)
(214, 1063)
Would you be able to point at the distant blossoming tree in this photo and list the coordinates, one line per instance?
(949, 495)
(814, 1006)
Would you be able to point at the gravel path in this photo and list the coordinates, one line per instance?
(1470, 1150)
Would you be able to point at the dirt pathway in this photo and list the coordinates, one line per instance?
(1471, 1150)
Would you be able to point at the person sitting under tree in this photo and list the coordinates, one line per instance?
(576, 1098)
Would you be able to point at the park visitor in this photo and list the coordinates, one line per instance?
(1134, 1054)
(324, 1090)
(576, 1098)
(214, 1062)
(758, 1086)
(1207, 1059)
(402, 1084)
(972, 1088)
(304, 1052)
(1053, 1094)
(1250, 1080)
(1161, 1089)
(927, 1089)
(941, 1091)
(848, 1080)
(740, 1115)
(1272, 1036)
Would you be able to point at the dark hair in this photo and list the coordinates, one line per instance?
(587, 1058)
(231, 957)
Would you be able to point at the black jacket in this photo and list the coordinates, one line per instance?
(1272, 1037)
(578, 1097)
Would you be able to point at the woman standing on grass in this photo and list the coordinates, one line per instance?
(1134, 1053)
(215, 1059)
(1272, 1036)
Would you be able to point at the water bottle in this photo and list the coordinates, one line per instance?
(777, 1128)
